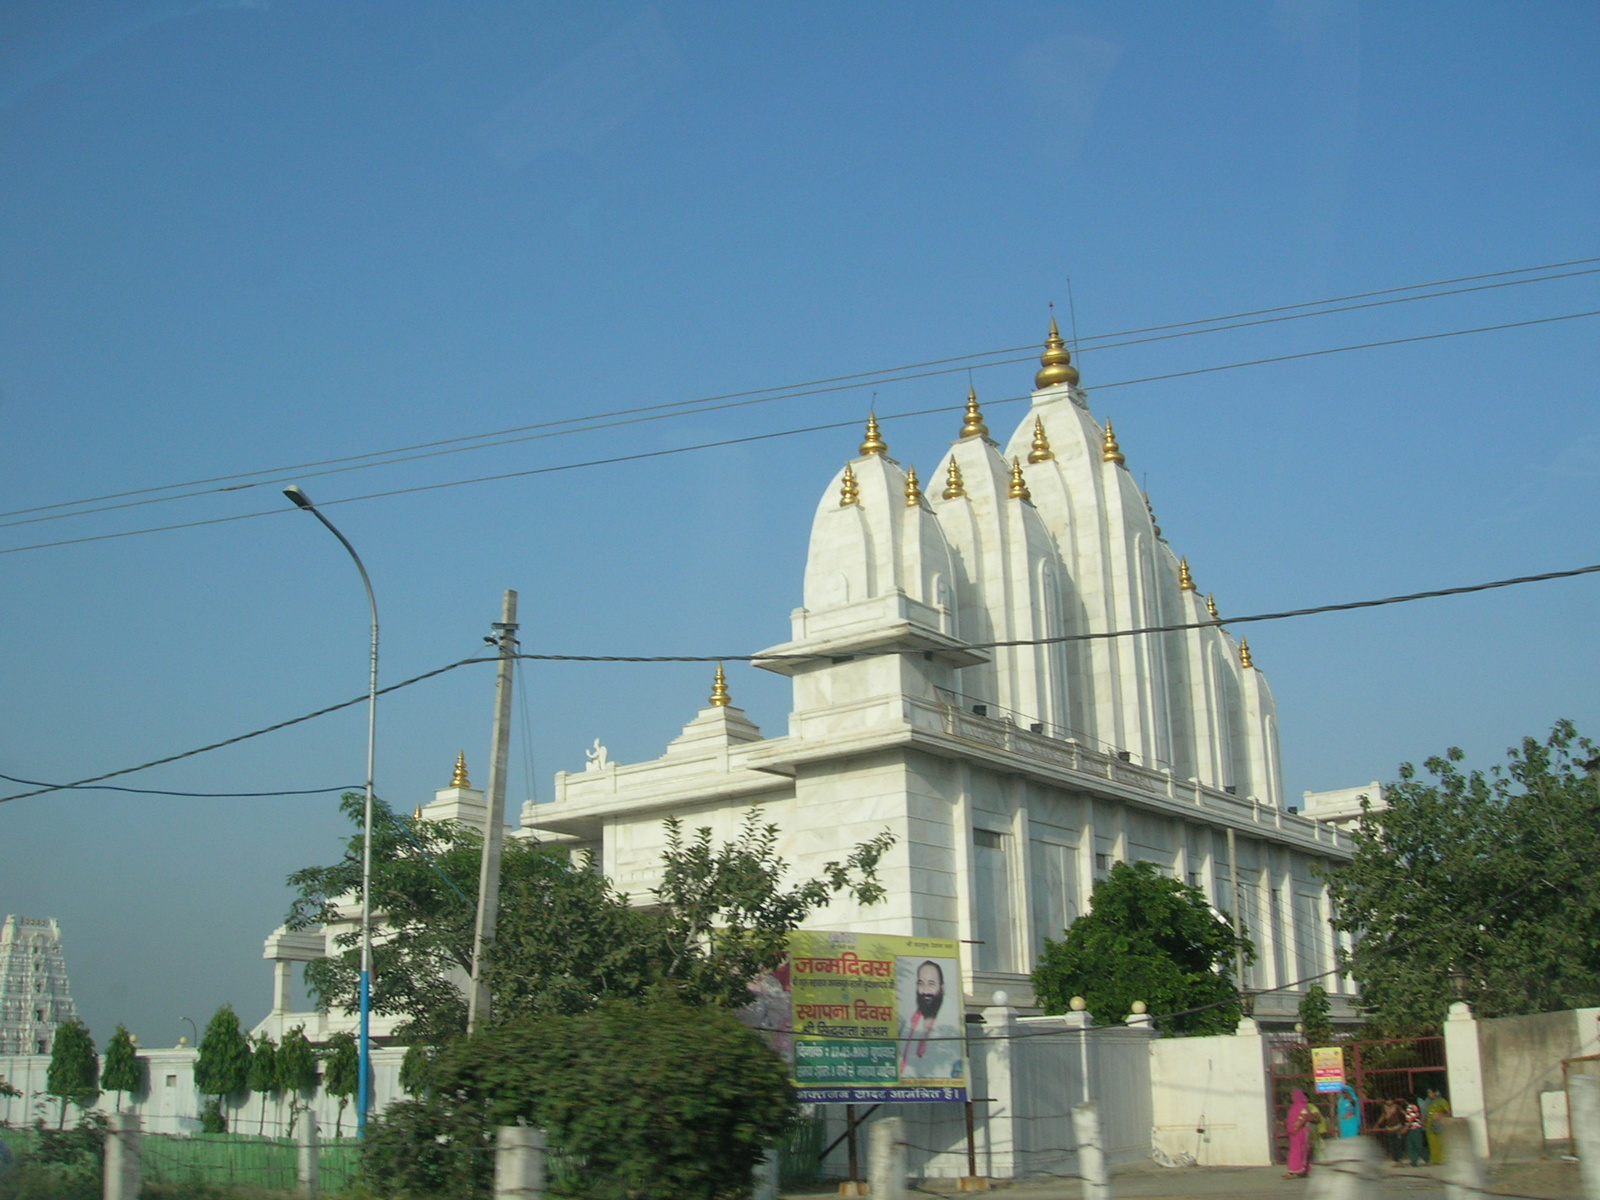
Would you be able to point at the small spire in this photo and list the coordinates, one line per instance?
(1041, 451)
(1056, 361)
(459, 779)
(1019, 485)
(1244, 654)
(973, 425)
(1211, 607)
(849, 490)
(1151, 509)
(913, 489)
(1185, 580)
(1109, 450)
(719, 690)
(417, 816)
(954, 486)
(874, 443)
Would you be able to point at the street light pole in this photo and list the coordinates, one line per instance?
(363, 1096)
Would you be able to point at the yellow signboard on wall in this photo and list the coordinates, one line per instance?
(876, 1018)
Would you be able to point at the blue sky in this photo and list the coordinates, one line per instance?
(235, 236)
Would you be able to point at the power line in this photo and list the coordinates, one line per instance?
(243, 737)
(693, 406)
(622, 458)
(703, 658)
(108, 787)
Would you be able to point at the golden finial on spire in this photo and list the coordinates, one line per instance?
(417, 816)
(1151, 509)
(719, 690)
(1185, 580)
(874, 443)
(459, 779)
(913, 489)
(1109, 450)
(1244, 654)
(1056, 361)
(1041, 451)
(973, 425)
(1211, 607)
(954, 486)
(1019, 485)
(849, 490)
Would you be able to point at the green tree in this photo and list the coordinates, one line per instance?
(297, 1070)
(74, 1070)
(1313, 1012)
(262, 1078)
(222, 1068)
(416, 1070)
(1150, 938)
(341, 1076)
(655, 1099)
(1482, 882)
(566, 939)
(123, 1070)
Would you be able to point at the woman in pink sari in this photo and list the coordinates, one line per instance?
(1298, 1127)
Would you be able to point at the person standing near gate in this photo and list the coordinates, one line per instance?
(1391, 1127)
(1437, 1106)
(1416, 1145)
(1349, 1112)
(1298, 1125)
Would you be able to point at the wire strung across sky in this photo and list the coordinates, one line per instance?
(856, 379)
(1345, 606)
(784, 433)
(672, 410)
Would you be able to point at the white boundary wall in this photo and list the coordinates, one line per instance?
(169, 1103)
(1210, 1098)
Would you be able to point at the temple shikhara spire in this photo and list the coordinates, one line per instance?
(972, 425)
(1055, 364)
(1109, 450)
(874, 443)
(849, 492)
(954, 486)
(913, 489)
(1040, 450)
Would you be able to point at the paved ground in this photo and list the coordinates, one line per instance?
(1540, 1179)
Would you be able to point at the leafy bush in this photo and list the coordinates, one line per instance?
(57, 1164)
(1150, 938)
(639, 1101)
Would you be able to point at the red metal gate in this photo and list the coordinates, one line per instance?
(1398, 1068)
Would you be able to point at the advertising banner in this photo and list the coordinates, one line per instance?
(876, 1018)
(1327, 1067)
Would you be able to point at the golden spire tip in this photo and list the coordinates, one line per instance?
(1019, 485)
(1109, 450)
(913, 489)
(719, 690)
(1041, 451)
(1185, 580)
(973, 425)
(849, 489)
(1244, 654)
(459, 779)
(954, 486)
(1211, 607)
(1055, 364)
(874, 443)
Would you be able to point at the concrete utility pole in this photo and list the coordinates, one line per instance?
(1238, 916)
(494, 819)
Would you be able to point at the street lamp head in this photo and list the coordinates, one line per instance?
(300, 499)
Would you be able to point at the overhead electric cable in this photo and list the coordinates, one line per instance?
(621, 458)
(789, 391)
(575, 425)
(244, 737)
(702, 658)
(111, 787)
